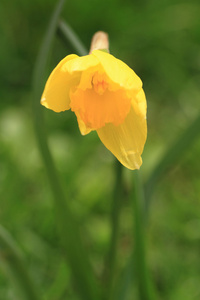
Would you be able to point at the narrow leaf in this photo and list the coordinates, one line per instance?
(171, 157)
(72, 245)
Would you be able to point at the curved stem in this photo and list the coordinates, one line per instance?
(10, 253)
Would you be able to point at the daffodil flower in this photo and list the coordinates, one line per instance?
(106, 96)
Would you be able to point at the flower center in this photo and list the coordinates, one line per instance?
(97, 101)
(99, 83)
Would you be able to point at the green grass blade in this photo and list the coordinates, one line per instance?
(12, 259)
(42, 59)
(69, 232)
(72, 37)
(58, 288)
(171, 156)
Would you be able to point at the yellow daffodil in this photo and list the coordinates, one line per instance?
(106, 96)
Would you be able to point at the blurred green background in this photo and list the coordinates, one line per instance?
(160, 40)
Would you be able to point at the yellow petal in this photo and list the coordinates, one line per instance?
(139, 103)
(80, 64)
(56, 92)
(118, 71)
(82, 126)
(127, 140)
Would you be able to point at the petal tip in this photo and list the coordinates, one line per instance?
(132, 160)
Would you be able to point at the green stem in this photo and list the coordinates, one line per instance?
(142, 274)
(72, 37)
(10, 253)
(110, 263)
(125, 281)
(69, 232)
(171, 156)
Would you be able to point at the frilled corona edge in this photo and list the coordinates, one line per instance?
(107, 96)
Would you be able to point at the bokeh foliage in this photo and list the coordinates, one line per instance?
(160, 40)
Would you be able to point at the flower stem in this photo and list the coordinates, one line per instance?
(145, 289)
(11, 255)
(111, 259)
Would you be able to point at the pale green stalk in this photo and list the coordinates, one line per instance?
(73, 249)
